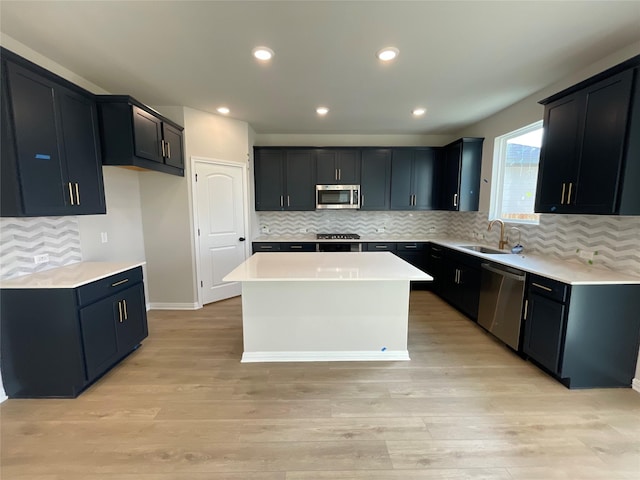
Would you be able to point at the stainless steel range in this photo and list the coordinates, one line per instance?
(337, 236)
(338, 246)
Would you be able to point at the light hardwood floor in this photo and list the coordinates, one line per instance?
(184, 407)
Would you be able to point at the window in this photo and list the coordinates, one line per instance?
(515, 174)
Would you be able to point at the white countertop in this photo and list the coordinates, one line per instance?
(297, 266)
(570, 272)
(70, 276)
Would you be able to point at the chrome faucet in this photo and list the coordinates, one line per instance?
(503, 241)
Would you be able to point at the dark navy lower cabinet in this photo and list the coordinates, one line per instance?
(587, 336)
(57, 341)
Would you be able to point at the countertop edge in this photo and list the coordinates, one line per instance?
(87, 272)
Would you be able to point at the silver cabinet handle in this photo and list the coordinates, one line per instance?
(120, 310)
(455, 199)
(265, 247)
(77, 194)
(162, 146)
(288, 201)
(564, 185)
(410, 246)
(120, 282)
(339, 174)
(281, 201)
(168, 150)
(526, 308)
(569, 194)
(361, 200)
(381, 246)
(71, 193)
(542, 287)
(124, 304)
(298, 247)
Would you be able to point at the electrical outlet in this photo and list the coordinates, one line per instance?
(44, 258)
(432, 229)
(303, 230)
(103, 237)
(380, 229)
(264, 229)
(586, 255)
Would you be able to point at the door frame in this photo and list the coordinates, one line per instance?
(194, 199)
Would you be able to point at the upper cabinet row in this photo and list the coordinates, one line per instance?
(50, 160)
(396, 178)
(55, 136)
(590, 157)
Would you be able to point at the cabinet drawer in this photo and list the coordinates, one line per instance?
(381, 247)
(546, 287)
(108, 286)
(299, 247)
(412, 247)
(266, 247)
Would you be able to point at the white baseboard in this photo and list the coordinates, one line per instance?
(355, 356)
(635, 384)
(172, 306)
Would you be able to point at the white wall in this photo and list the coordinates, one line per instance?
(167, 205)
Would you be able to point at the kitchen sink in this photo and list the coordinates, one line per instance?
(481, 249)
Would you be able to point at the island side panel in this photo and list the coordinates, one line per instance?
(325, 320)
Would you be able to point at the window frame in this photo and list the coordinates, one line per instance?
(498, 173)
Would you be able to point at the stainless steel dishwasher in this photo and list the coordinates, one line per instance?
(500, 308)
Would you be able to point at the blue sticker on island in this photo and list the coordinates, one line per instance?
(384, 348)
(43, 156)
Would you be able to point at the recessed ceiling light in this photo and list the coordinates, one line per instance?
(322, 110)
(387, 54)
(223, 110)
(262, 53)
(418, 112)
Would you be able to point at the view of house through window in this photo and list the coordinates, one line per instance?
(515, 174)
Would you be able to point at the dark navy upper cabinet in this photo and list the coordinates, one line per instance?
(375, 179)
(590, 146)
(461, 163)
(285, 178)
(413, 178)
(50, 145)
(338, 166)
(134, 135)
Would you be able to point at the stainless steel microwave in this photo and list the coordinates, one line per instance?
(337, 196)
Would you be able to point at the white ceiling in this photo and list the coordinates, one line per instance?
(463, 61)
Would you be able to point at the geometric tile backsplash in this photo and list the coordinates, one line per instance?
(616, 239)
(22, 238)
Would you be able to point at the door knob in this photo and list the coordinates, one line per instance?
(241, 239)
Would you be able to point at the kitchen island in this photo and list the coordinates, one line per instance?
(316, 306)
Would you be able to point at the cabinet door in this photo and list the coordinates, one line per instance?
(99, 336)
(469, 286)
(470, 168)
(451, 178)
(544, 325)
(558, 155)
(300, 180)
(375, 181)
(401, 179)
(173, 140)
(79, 120)
(147, 135)
(423, 178)
(326, 169)
(131, 325)
(36, 129)
(269, 179)
(603, 139)
(348, 164)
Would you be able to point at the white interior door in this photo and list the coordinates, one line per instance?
(221, 227)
